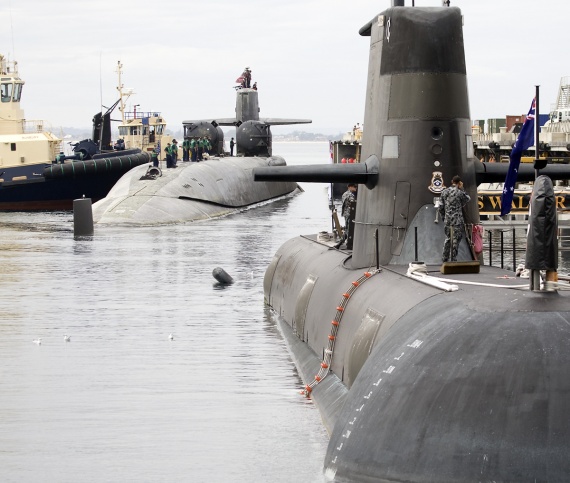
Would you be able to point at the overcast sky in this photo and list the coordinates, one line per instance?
(182, 57)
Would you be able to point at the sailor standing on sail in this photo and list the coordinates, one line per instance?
(247, 77)
(451, 210)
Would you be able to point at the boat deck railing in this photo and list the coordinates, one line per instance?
(32, 126)
(141, 114)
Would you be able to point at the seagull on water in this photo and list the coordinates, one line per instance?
(171, 337)
(38, 341)
(67, 338)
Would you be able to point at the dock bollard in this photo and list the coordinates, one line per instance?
(82, 217)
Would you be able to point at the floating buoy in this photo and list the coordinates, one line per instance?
(222, 276)
(82, 217)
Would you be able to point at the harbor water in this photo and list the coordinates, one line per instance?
(121, 401)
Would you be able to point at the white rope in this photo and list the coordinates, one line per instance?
(418, 268)
(418, 271)
(481, 284)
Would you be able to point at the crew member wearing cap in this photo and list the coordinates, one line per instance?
(452, 201)
(174, 152)
(168, 151)
(186, 149)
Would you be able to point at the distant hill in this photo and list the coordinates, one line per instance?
(300, 136)
(295, 136)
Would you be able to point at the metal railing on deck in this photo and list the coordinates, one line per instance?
(507, 248)
(141, 114)
(30, 126)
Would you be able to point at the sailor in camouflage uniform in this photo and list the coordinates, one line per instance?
(348, 197)
(451, 210)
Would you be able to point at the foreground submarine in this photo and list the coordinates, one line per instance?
(419, 376)
(214, 187)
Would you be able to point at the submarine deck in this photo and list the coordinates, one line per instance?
(488, 276)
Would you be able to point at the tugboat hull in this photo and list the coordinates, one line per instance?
(47, 187)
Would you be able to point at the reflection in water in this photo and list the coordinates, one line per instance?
(121, 401)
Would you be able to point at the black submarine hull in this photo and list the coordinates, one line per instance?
(422, 377)
(427, 383)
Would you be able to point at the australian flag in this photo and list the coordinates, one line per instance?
(524, 141)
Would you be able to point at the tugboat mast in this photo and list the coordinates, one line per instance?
(120, 89)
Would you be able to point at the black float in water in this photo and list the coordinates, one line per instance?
(82, 217)
(222, 276)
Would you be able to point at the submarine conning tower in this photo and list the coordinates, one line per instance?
(417, 136)
(417, 124)
(247, 105)
(253, 134)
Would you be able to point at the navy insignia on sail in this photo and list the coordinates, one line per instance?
(436, 185)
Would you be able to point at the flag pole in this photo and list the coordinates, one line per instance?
(538, 165)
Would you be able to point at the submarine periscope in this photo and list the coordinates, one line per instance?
(421, 377)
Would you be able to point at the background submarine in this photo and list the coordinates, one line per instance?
(206, 189)
(419, 378)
